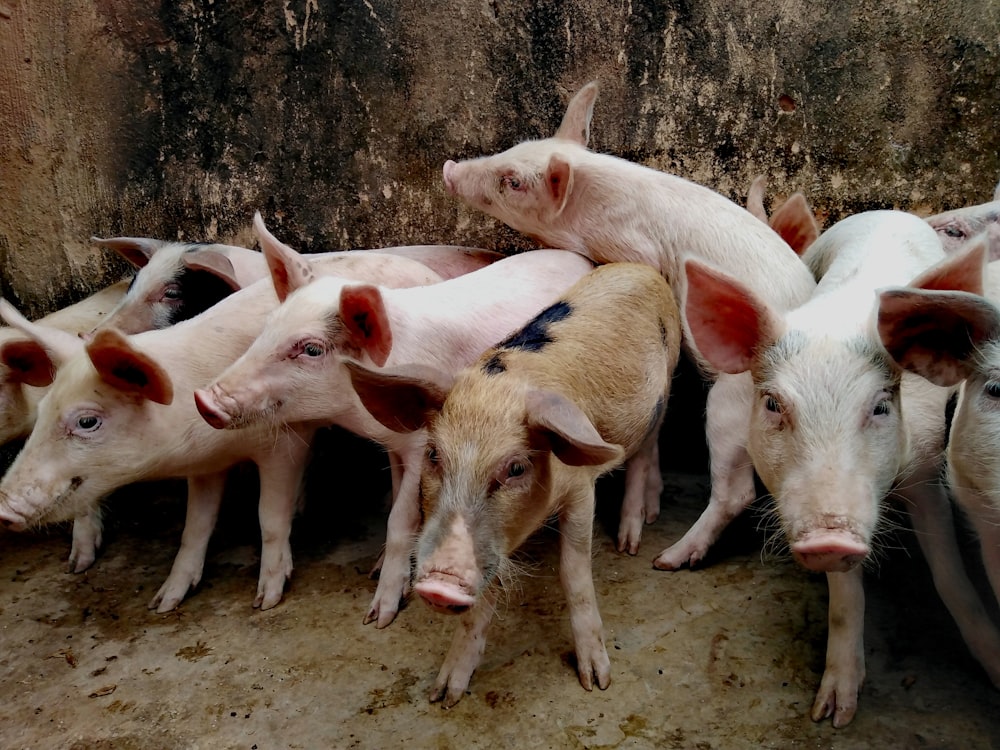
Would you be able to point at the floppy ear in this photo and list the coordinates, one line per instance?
(363, 314)
(559, 178)
(575, 125)
(935, 333)
(962, 271)
(59, 345)
(27, 362)
(755, 198)
(121, 365)
(136, 250)
(213, 262)
(571, 434)
(729, 323)
(402, 399)
(289, 270)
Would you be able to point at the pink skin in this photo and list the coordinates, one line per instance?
(958, 226)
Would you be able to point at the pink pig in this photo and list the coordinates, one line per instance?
(609, 209)
(295, 371)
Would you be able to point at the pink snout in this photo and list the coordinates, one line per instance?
(445, 593)
(449, 176)
(209, 410)
(829, 551)
(11, 521)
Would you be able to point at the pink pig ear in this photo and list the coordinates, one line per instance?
(136, 250)
(363, 313)
(27, 362)
(403, 399)
(963, 271)
(755, 198)
(126, 368)
(215, 263)
(574, 439)
(795, 223)
(559, 178)
(728, 323)
(289, 270)
(575, 125)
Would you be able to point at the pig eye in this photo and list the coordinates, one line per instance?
(172, 292)
(516, 470)
(513, 182)
(432, 455)
(993, 389)
(312, 349)
(88, 422)
(954, 232)
(881, 408)
(772, 405)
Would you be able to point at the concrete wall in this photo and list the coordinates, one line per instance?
(333, 118)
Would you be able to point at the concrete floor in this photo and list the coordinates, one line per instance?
(727, 656)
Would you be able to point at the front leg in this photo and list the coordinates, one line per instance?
(87, 532)
(203, 501)
(576, 525)
(281, 474)
(845, 649)
(465, 652)
(403, 524)
(727, 427)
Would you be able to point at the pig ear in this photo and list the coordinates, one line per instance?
(960, 272)
(289, 270)
(403, 400)
(213, 262)
(59, 346)
(575, 125)
(363, 313)
(559, 178)
(728, 323)
(136, 250)
(120, 365)
(573, 437)
(795, 223)
(996, 192)
(27, 362)
(934, 333)
(755, 198)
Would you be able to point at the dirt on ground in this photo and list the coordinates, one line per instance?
(725, 656)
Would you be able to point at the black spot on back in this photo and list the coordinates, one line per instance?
(199, 291)
(494, 365)
(534, 336)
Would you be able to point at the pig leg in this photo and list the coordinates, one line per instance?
(576, 530)
(465, 652)
(934, 526)
(845, 650)
(87, 533)
(204, 499)
(396, 474)
(280, 484)
(727, 427)
(404, 521)
(654, 484)
(637, 470)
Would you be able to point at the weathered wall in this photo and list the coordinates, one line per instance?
(334, 118)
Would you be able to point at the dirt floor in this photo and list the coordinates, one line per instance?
(727, 656)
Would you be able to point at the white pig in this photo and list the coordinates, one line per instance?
(834, 422)
(960, 225)
(294, 371)
(21, 390)
(121, 410)
(610, 209)
(178, 280)
(522, 436)
(951, 338)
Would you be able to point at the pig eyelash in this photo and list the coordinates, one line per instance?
(513, 183)
(953, 231)
(172, 293)
(309, 348)
(772, 404)
(992, 389)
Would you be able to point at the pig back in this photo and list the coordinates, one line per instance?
(610, 345)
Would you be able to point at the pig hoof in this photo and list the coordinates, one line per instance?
(80, 562)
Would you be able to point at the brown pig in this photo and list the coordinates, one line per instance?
(521, 436)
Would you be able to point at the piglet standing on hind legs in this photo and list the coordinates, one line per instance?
(836, 427)
(610, 209)
(523, 435)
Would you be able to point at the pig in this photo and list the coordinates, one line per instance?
(120, 409)
(521, 436)
(835, 424)
(609, 209)
(176, 281)
(960, 225)
(20, 394)
(952, 338)
(294, 371)
(793, 220)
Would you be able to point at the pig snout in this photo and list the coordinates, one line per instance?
(444, 592)
(448, 578)
(210, 410)
(832, 547)
(11, 521)
(448, 172)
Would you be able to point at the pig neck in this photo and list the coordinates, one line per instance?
(620, 211)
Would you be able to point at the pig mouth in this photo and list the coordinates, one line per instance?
(445, 592)
(223, 412)
(830, 550)
(14, 520)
